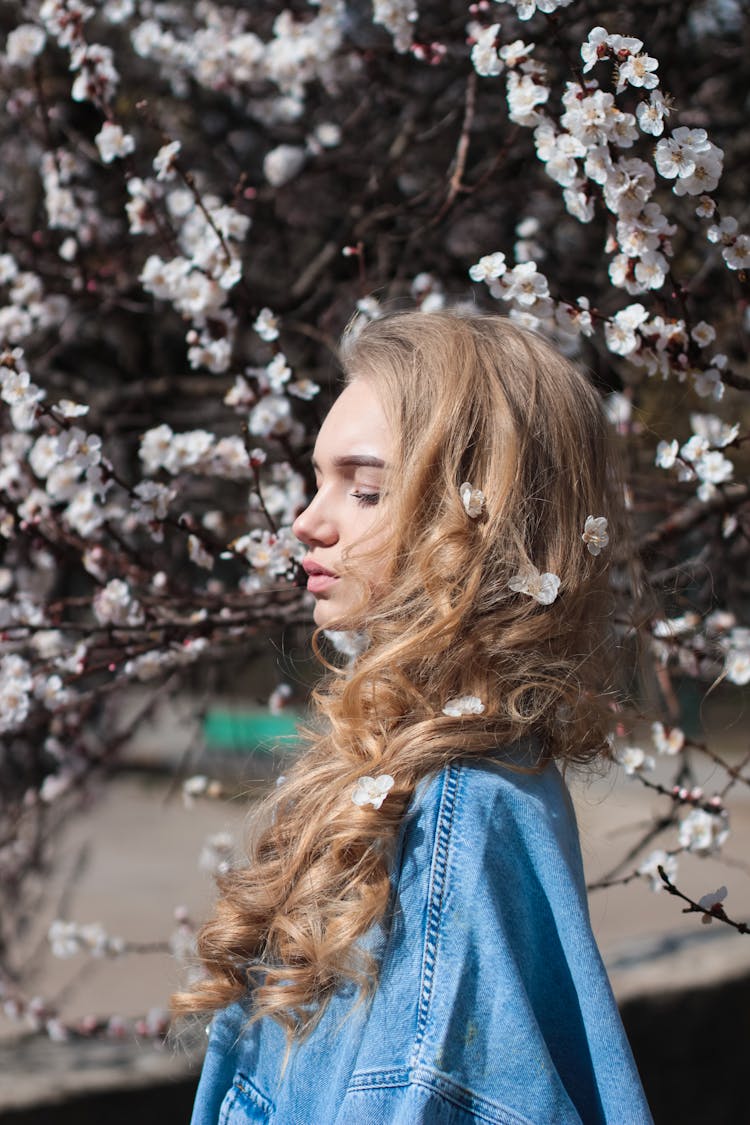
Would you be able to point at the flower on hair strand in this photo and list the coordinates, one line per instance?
(542, 587)
(473, 500)
(595, 534)
(372, 790)
(463, 705)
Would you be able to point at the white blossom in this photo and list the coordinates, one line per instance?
(595, 48)
(279, 698)
(24, 44)
(473, 500)
(737, 255)
(710, 901)
(703, 334)
(675, 156)
(398, 17)
(651, 114)
(723, 232)
(712, 430)
(164, 161)
(463, 705)
(306, 389)
(198, 553)
(112, 142)
(634, 760)
(114, 604)
(525, 9)
(675, 626)
(283, 163)
(216, 854)
(524, 284)
(488, 268)
(271, 417)
(737, 666)
(524, 95)
(667, 740)
(16, 685)
(267, 325)
(484, 55)
(638, 70)
(595, 534)
(649, 868)
(349, 642)
(278, 373)
(621, 331)
(542, 587)
(702, 832)
(372, 790)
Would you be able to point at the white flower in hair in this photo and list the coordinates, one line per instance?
(472, 499)
(463, 705)
(372, 790)
(542, 587)
(595, 533)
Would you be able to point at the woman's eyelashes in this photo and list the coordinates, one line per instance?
(366, 498)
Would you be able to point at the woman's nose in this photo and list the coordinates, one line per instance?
(314, 526)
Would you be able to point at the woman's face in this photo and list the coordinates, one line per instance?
(347, 517)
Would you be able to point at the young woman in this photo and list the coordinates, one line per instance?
(409, 940)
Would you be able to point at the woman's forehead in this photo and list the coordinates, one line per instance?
(355, 430)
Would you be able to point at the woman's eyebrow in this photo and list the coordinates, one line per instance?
(354, 460)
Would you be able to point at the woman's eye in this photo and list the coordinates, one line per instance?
(366, 498)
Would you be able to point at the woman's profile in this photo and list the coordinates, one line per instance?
(408, 939)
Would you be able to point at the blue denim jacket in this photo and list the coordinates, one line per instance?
(492, 1004)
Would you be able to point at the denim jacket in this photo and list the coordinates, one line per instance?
(492, 1005)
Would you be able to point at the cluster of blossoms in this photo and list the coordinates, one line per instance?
(197, 281)
(37, 1015)
(700, 457)
(581, 152)
(272, 554)
(67, 939)
(26, 310)
(224, 54)
(701, 831)
(710, 647)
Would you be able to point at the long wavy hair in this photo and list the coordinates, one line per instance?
(470, 398)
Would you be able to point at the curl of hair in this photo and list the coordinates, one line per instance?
(470, 398)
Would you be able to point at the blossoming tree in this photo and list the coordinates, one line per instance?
(194, 200)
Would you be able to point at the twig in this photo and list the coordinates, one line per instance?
(715, 911)
(455, 184)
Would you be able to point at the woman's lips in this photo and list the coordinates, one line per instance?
(318, 578)
(317, 583)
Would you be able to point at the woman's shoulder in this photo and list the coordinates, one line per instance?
(504, 797)
(489, 850)
(492, 883)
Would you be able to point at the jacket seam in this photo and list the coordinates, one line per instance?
(465, 1099)
(438, 880)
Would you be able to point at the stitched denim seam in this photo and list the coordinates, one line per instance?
(435, 899)
(459, 1096)
(252, 1093)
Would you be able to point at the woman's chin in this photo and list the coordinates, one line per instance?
(325, 616)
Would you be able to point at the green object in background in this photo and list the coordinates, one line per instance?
(247, 731)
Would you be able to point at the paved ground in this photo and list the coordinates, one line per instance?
(141, 849)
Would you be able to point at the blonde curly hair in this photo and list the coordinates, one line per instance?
(474, 398)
